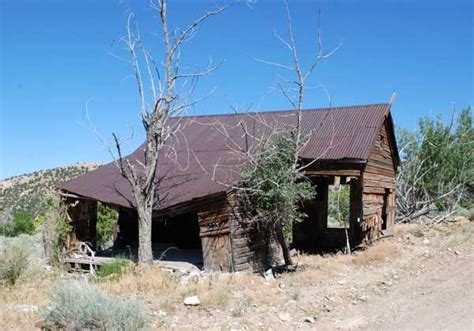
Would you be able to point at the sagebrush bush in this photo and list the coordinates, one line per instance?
(13, 263)
(77, 305)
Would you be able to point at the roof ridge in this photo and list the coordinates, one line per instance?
(282, 111)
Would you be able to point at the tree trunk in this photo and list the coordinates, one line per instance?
(145, 252)
(284, 245)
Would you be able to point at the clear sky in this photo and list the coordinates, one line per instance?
(56, 57)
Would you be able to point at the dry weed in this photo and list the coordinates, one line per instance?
(317, 269)
(414, 229)
(20, 305)
(379, 252)
(454, 234)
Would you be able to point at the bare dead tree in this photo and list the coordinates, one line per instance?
(413, 200)
(295, 95)
(254, 139)
(165, 92)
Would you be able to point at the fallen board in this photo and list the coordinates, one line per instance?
(84, 260)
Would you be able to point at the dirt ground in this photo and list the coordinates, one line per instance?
(422, 278)
(436, 294)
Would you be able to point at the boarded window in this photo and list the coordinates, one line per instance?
(339, 206)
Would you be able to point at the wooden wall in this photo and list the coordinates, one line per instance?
(235, 239)
(213, 219)
(379, 184)
(253, 242)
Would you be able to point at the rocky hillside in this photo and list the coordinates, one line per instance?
(28, 192)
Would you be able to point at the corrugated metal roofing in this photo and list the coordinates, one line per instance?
(337, 133)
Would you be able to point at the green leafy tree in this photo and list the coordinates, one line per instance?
(276, 187)
(437, 166)
(22, 222)
(464, 137)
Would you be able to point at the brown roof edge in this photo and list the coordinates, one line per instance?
(394, 139)
(285, 110)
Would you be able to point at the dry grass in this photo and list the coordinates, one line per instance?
(317, 269)
(21, 304)
(164, 291)
(414, 229)
(379, 252)
(454, 234)
(237, 297)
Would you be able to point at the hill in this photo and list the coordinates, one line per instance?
(28, 192)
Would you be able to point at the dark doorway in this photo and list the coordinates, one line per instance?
(181, 231)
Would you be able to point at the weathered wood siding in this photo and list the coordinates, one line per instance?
(379, 184)
(253, 242)
(213, 219)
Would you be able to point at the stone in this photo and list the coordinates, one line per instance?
(162, 313)
(26, 308)
(426, 241)
(293, 252)
(309, 320)
(40, 324)
(364, 298)
(268, 274)
(284, 316)
(192, 301)
(341, 282)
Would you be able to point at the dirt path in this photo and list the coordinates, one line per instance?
(441, 296)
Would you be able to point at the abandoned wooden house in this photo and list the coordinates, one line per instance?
(352, 147)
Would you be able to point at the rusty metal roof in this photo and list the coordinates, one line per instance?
(200, 162)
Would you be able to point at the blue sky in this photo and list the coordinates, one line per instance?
(56, 57)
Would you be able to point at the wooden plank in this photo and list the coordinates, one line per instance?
(377, 164)
(213, 232)
(371, 211)
(373, 190)
(373, 197)
(335, 172)
(217, 253)
(216, 219)
(379, 171)
(97, 260)
(379, 184)
(381, 158)
(379, 178)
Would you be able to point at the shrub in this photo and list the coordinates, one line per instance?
(77, 305)
(22, 222)
(13, 263)
(106, 219)
(56, 228)
(115, 268)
